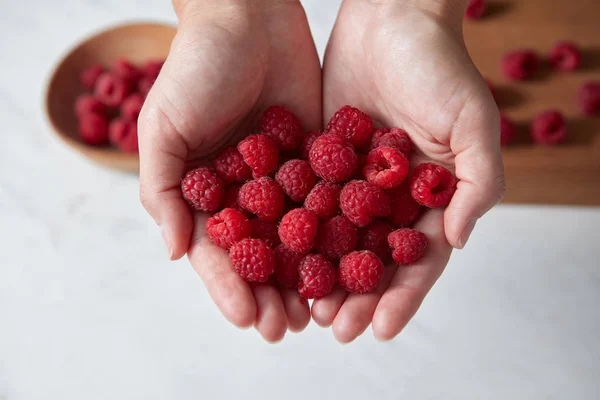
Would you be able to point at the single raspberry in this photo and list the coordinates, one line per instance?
(282, 126)
(360, 271)
(519, 64)
(589, 97)
(144, 85)
(298, 230)
(386, 167)
(230, 199)
(352, 124)
(230, 165)
(252, 259)
(332, 158)
(377, 135)
(432, 185)
(227, 227)
(565, 56)
(123, 134)
(286, 271)
(111, 89)
(361, 161)
(203, 189)
(296, 179)
(126, 70)
(131, 107)
(373, 237)
(491, 87)
(408, 245)
(262, 197)
(549, 128)
(396, 138)
(405, 209)
(362, 201)
(476, 9)
(260, 153)
(266, 231)
(90, 75)
(318, 276)
(307, 142)
(337, 236)
(152, 68)
(93, 129)
(508, 130)
(87, 103)
(324, 199)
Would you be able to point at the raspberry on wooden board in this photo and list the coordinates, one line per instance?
(520, 64)
(476, 9)
(549, 128)
(588, 97)
(565, 56)
(508, 130)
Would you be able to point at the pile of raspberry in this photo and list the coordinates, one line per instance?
(311, 210)
(107, 112)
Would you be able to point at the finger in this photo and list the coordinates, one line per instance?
(229, 291)
(271, 321)
(325, 309)
(296, 309)
(411, 283)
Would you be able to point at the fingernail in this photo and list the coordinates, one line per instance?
(464, 237)
(167, 240)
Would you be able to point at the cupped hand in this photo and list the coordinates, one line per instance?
(407, 66)
(229, 61)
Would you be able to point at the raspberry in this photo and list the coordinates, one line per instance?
(126, 71)
(260, 153)
(230, 165)
(332, 158)
(87, 103)
(111, 89)
(203, 189)
(386, 167)
(123, 134)
(377, 135)
(252, 259)
(144, 85)
(589, 97)
(336, 237)
(296, 179)
(286, 271)
(361, 161)
(298, 229)
(396, 138)
(93, 129)
(360, 271)
(282, 126)
(89, 76)
(519, 64)
(230, 199)
(262, 197)
(227, 227)
(318, 276)
(405, 209)
(362, 201)
(565, 56)
(324, 199)
(408, 245)
(491, 87)
(373, 237)
(266, 231)
(352, 124)
(131, 107)
(508, 130)
(307, 143)
(476, 9)
(432, 185)
(549, 128)
(152, 68)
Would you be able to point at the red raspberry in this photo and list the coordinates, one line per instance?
(282, 126)
(373, 237)
(396, 138)
(377, 135)
(508, 130)
(318, 276)
(286, 271)
(324, 199)
(519, 64)
(260, 153)
(203, 189)
(266, 231)
(262, 197)
(360, 271)
(361, 161)
(230, 165)
(87, 103)
(298, 230)
(89, 76)
(337, 236)
(126, 70)
(296, 179)
(152, 68)
(362, 201)
(405, 209)
(432, 185)
(589, 97)
(111, 89)
(131, 107)
(227, 227)
(93, 129)
(408, 245)
(123, 134)
(332, 158)
(386, 167)
(252, 259)
(144, 85)
(549, 128)
(307, 143)
(565, 56)
(230, 199)
(352, 124)
(491, 87)
(476, 9)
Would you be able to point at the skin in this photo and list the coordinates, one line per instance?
(403, 62)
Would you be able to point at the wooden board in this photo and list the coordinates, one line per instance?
(565, 174)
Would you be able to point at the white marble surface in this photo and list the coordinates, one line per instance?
(90, 308)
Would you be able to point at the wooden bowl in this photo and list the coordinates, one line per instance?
(137, 42)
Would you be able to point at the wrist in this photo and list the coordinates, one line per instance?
(449, 11)
(184, 8)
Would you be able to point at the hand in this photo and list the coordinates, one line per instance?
(228, 63)
(408, 67)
